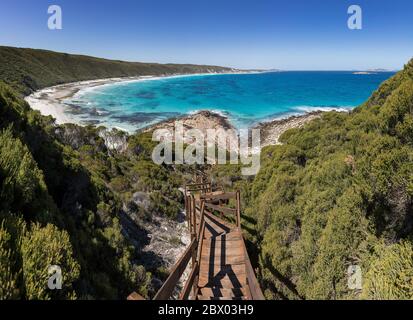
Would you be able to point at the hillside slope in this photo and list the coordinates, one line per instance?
(28, 70)
(70, 199)
(339, 193)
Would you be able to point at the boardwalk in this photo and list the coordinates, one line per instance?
(222, 271)
(217, 256)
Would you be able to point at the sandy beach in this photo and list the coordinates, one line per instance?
(50, 101)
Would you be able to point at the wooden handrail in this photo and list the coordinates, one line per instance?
(169, 285)
(254, 286)
(206, 203)
(219, 196)
(212, 200)
(198, 187)
(200, 240)
(221, 208)
(186, 291)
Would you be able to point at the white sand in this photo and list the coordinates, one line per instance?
(49, 101)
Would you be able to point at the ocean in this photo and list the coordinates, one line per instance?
(246, 99)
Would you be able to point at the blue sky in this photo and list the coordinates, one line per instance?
(284, 34)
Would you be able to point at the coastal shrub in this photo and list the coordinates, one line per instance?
(65, 198)
(8, 278)
(23, 188)
(390, 273)
(335, 188)
(41, 248)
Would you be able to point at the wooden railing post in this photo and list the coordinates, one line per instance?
(238, 209)
(194, 214)
(187, 211)
(200, 238)
(209, 202)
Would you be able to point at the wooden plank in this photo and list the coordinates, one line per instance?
(222, 292)
(224, 238)
(216, 250)
(236, 270)
(166, 290)
(205, 260)
(213, 232)
(207, 252)
(222, 209)
(232, 236)
(134, 296)
(216, 230)
(218, 261)
(222, 282)
(198, 187)
(219, 195)
(200, 297)
(217, 220)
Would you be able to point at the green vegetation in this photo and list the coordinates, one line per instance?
(28, 70)
(338, 192)
(390, 272)
(67, 199)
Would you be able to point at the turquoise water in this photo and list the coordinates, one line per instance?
(245, 98)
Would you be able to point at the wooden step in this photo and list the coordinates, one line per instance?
(233, 276)
(200, 297)
(220, 261)
(214, 249)
(218, 221)
(218, 229)
(233, 235)
(222, 292)
(216, 232)
(224, 237)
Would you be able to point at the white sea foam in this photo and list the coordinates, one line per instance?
(307, 109)
(49, 101)
(302, 110)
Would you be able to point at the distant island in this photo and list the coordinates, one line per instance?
(373, 71)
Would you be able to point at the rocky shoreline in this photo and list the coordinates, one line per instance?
(272, 130)
(50, 101)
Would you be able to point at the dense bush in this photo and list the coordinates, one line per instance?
(63, 193)
(390, 272)
(337, 192)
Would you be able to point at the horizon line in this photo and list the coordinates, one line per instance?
(269, 70)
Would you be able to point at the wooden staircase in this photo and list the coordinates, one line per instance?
(222, 272)
(220, 265)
